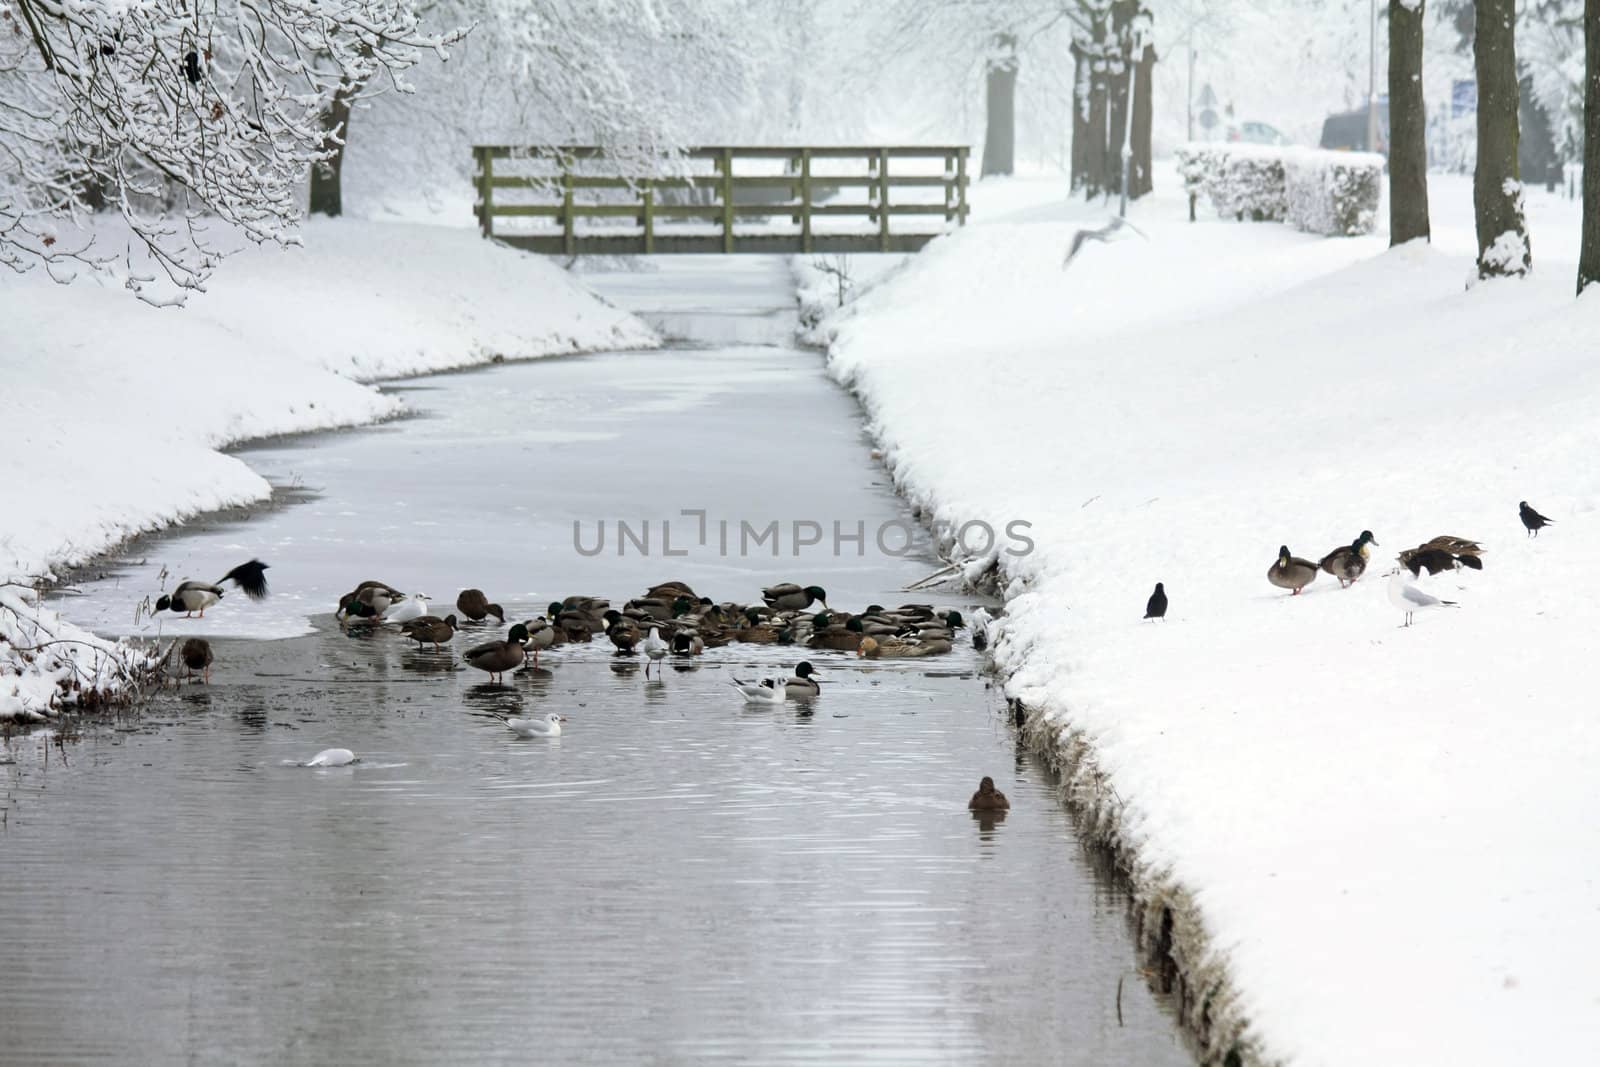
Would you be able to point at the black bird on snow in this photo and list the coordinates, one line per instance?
(1532, 519)
(1156, 606)
(191, 597)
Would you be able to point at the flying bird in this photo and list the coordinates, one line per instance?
(1156, 606)
(191, 597)
(1104, 234)
(1532, 519)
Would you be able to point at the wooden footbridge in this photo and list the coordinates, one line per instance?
(574, 200)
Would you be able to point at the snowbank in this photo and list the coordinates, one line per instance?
(1379, 845)
(115, 411)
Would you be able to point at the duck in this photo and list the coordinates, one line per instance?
(412, 607)
(430, 629)
(670, 591)
(497, 657)
(191, 596)
(896, 648)
(591, 609)
(572, 625)
(760, 628)
(766, 691)
(988, 798)
(369, 600)
(549, 726)
(655, 649)
(1291, 572)
(791, 597)
(623, 631)
(1442, 553)
(802, 684)
(687, 643)
(196, 656)
(837, 636)
(541, 635)
(1349, 562)
(476, 607)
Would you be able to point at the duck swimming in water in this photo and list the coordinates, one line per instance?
(988, 798)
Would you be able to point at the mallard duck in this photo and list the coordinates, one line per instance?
(988, 798)
(1532, 519)
(802, 684)
(549, 726)
(655, 649)
(896, 648)
(191, 597)
(497, 657)
(1349, 562)
(196, 655)
(1442, 553)
(591, 609)
(541, 635)
(623, 631)
(670, 591)
(572, 624)
(1291, 572)
(687, 643)
(430, 629)
(475, 606)
(791, 597)
(838, 636)
(369, 600)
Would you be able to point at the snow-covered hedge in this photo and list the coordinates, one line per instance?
(1332, 193)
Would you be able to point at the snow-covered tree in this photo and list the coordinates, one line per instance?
(1408, 125)
(1496, 190)
(173, 112)
(1589, 254)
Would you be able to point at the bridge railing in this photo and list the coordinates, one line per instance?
(573, 199)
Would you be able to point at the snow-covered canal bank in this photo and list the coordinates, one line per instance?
(675, 879)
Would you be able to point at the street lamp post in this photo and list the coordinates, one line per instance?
(1372, 76)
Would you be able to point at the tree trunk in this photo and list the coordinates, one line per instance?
(1496, 193)
(326, 191)
(1080, 116)
(1143, 116)
(1589, 256)
(1408, 127)
(1000, 131)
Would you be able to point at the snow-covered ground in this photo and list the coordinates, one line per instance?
(115, 411)
(1386, 840)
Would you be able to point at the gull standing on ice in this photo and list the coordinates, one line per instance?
(656, 649)
(414, 606)
(1409, 599)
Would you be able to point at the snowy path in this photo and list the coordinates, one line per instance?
(1388, 837)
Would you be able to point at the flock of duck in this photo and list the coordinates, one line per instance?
(1348, 563)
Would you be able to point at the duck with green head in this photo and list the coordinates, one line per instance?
(497, 657)
(1349, 562)
(791, 597)
(573, 625)
(623, 632)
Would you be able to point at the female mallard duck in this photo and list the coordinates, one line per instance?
(196, 654)
(592, 609)
(191, 597)
(895, 648)
(541, 635)
(802, 684)
(1350, 561)
(475, 606)
(369, 601)
(623, 631)
(1441, 554)
(430, 629)
(988, 798)
(1291, 572)
(838, 636)
(791, 597)
(670, 591)
(572, 625)
(497, 657)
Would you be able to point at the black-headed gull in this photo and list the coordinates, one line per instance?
(656, 649)
(331, 757)
(549, 726)
(1409, 599)
(766, 691)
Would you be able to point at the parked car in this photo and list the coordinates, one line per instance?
(1256, 133)
(1347, 131)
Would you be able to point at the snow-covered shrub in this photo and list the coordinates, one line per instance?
(1333, 193)
(1249, 185)
(1198, 165)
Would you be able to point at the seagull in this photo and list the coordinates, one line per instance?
(766, 691)
(981, 621)
(656, 649)
(1156, 606)
(1532, 519)
(414, 606)
(549, 726)
(331, 757)
(1409, 599)
(1103, 234)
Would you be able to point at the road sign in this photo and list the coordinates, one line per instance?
(1207, 118)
